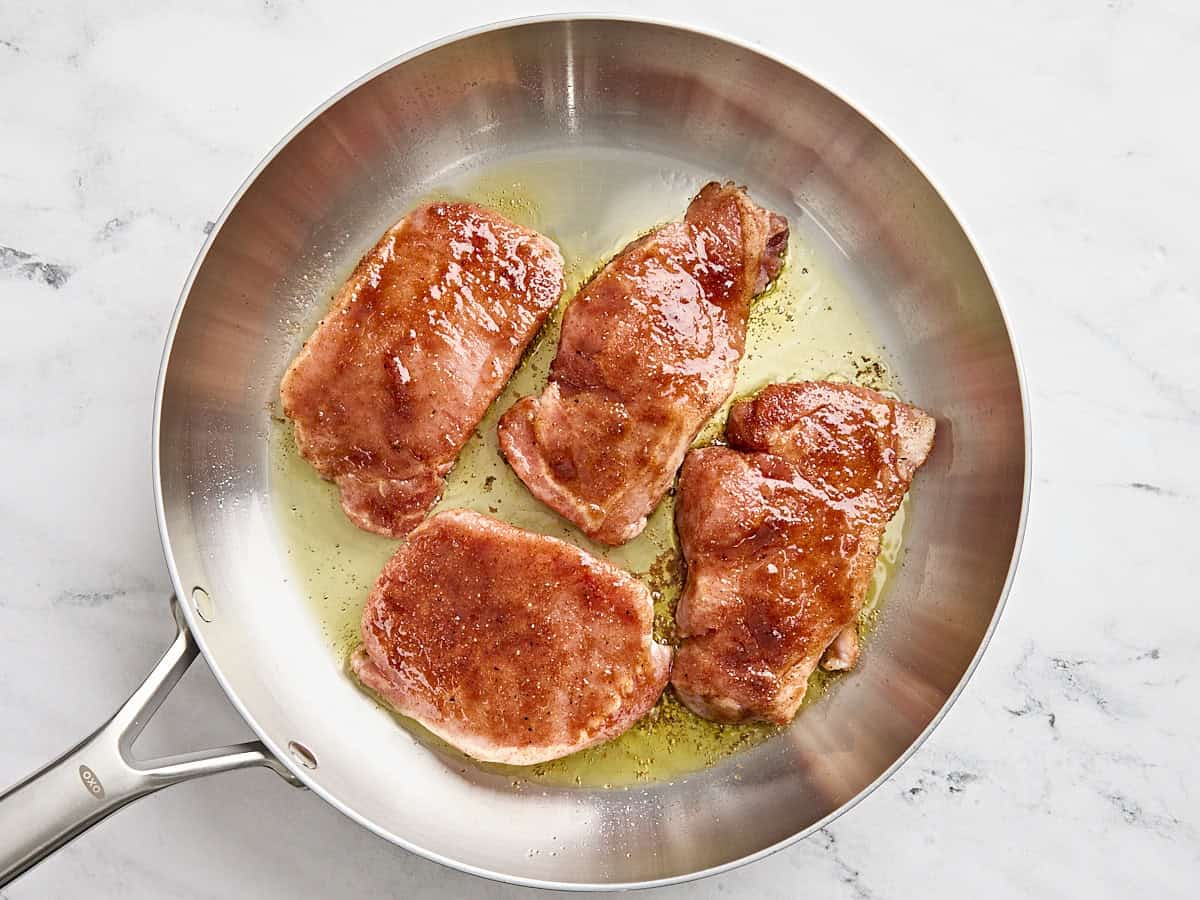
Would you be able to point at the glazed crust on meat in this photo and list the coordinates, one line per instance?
(858, 446)
(514, 647)
(418, 343)
(780, 532)
(649, 350)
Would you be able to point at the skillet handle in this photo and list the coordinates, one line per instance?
(99, 775)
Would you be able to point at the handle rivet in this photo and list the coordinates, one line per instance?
(202, 603)
(302, 754)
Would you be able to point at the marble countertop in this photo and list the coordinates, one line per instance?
(1063, 135)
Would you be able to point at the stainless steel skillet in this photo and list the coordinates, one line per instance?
(598, 88)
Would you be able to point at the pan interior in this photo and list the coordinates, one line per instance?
(596, 127)
(593, 201)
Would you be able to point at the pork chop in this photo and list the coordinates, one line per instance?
(418, 343)
(649, 351)
(780, 537)
(514, 647)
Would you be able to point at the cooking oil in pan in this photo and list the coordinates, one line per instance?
(805, 326)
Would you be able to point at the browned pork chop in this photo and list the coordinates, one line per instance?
(649, 350)
(417, 345)
(781, 540)
(512, 646)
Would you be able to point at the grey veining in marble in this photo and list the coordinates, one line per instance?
(1063, 134)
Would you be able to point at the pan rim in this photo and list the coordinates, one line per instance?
(303, 774)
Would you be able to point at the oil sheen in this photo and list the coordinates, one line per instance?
(805, 326)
